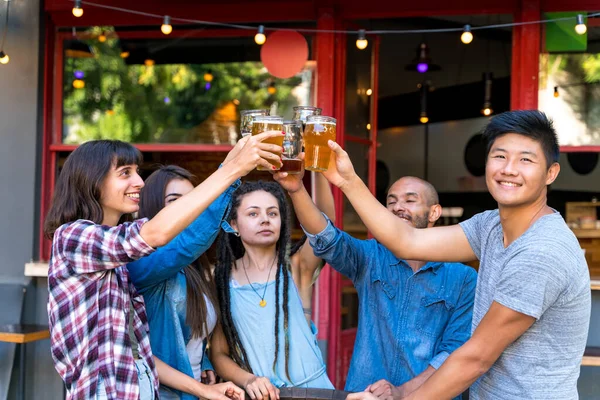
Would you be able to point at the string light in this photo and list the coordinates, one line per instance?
(424, 119)
(4, 58)
(580, 28)
(272, 89)
(362, 42)
(148, 62)
(77, 10)
(467, 36)
(312, 30)
(556, 94)
(260, 37)
(208, 76)
(236, 102)
(368, 127)
(369, 92)
(102, 38)
(124, 54)
(78, 84)
(166, 27)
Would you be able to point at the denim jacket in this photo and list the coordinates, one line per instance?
(160, 279)
(407, 321)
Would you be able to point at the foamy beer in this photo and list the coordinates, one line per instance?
(292, 147)
(246, 119)
(301, 113)
(319, 129)
(263, 123)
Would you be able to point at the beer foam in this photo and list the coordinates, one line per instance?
(320, 123)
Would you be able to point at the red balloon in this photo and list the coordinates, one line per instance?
(284, 54)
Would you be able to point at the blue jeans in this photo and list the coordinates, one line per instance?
(144, 379)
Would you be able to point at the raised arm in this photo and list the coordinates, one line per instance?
(175, 217)
(448, 243)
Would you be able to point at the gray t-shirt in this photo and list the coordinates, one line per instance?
(542, 274)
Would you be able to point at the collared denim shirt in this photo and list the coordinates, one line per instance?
(407, 321)
(161, 280)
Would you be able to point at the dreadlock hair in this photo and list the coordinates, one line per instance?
(199, 282)
(230, 249)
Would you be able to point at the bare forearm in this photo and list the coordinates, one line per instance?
(227, 369)
(458, 372)
(392, 232)
(175, 379)
(307, 212)
(174, 218)
(324, 196)
(416, 382)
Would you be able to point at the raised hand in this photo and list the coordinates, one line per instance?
(236, 149)
(340, 171)
(254, 152)
(290, 182)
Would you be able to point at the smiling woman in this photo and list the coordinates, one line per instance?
(98, 187)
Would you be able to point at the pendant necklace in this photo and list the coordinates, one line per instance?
(262, 302)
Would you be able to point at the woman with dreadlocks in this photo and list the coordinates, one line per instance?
(265, 340)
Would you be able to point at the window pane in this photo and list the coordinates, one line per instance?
(175, 90)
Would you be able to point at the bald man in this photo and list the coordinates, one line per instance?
(412, 314)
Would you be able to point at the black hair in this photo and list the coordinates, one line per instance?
(533, 124)
(230, 249)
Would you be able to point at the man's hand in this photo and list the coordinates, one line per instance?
(361, 396)
(340, 171)
(384, 390)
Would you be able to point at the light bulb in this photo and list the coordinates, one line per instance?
(208, 77)
(78, 84)
(260, 37)
(272, 89)
(422, 67)
(556, 94)
(124, 54)
(467, 36)
(368, 127)
(362, 42)
(102, 38)
(424, 119)
(369, 92)
(77, 10)
(580, 28)
(149, 62)
(166, 27)
(487, 111)
(4, 58)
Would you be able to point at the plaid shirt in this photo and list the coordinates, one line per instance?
(88, 308)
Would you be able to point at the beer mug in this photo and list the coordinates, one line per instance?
(263, 123)
(319, 129)
(292, 147)
(301, 113)
(246, 120)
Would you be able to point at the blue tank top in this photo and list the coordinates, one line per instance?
(256, 328)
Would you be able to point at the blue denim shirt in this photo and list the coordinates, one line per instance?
(160, 279)
(407, 321)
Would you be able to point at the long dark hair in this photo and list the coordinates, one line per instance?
(229, 249)
(77, 193)
(198, 275)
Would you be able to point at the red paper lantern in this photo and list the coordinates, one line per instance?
(284, 54)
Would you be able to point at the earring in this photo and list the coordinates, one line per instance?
(236, 233)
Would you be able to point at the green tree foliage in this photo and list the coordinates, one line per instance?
(160, 103)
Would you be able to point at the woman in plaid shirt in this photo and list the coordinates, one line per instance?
(94, 311)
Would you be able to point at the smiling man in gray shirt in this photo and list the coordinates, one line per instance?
(532, 301)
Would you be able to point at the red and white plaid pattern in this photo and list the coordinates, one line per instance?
(88, 309)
